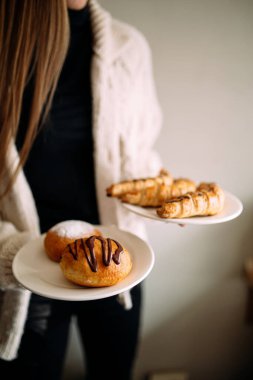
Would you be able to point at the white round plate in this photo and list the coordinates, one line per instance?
(35, 271)
(232, 209)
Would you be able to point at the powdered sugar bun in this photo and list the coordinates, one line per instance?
(64, 233)
(72, 229)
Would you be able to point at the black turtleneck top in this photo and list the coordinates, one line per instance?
(60, 168)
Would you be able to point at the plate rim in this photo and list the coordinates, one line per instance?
(103, 292)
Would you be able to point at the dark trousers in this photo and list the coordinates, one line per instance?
(108, 332)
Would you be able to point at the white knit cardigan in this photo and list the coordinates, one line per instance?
(126, 122)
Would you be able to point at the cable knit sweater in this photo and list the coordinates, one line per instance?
(126, 121)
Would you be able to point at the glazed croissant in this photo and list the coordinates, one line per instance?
(156, 195)
(208, 199)
(136, 185)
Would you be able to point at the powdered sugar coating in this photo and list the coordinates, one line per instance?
(72, 228)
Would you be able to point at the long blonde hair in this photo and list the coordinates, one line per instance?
(34, 37)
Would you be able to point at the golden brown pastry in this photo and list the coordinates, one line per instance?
(156, 195)
(121, 188)
(66, 232)
(182, 186)
(95, 262)
(207, 200)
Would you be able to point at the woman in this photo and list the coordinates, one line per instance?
(78, 112)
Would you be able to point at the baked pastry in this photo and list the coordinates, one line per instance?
(95, 262)
(182, 186)
(121, 188)
(207, 200)
(156, 195)
(63, 233)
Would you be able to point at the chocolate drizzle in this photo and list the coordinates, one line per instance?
(91, 258)
(116, 255)
(75, 252)
(88, 248)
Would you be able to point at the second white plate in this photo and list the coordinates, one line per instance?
(232, 209)
(35, 271)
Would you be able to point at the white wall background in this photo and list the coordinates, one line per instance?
(196, 295)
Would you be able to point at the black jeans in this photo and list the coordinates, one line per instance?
(108, 332)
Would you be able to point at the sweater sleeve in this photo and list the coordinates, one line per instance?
(11, 240)
(150, 117)
(144, 114)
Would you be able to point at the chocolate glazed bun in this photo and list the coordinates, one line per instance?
(63, 233)
(95, 262)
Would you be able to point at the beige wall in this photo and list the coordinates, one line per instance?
(195, 297)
